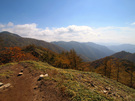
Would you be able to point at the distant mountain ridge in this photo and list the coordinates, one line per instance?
(91, 50)
(12, 40)
(123, 47)
(125, 55)
(88, 51)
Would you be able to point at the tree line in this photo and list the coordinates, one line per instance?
(110, 67)
(65, 60)
(120, 70)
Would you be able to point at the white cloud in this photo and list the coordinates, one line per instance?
(133, 23)
(74, 33)
(10, 24)
(1, 25)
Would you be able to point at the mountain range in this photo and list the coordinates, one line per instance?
(123, 47)
(89, 49)
(11, 40)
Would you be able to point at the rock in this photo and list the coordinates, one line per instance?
(107, 88)
(46, 75)
(1, 84)
(104, 91)
(5, 86)
(42, 76)
(21, 73)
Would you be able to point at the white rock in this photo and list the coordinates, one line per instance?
(5, 86)
(104, 91)
(1, 83)
(21, 73)
(41, 76)
(46, 75)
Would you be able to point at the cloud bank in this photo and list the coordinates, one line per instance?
(73, 33)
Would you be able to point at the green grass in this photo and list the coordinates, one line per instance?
(7, 73)
(8, 64)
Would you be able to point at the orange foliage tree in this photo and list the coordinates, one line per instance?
(68, 60)
(62, 61)
(14, 54)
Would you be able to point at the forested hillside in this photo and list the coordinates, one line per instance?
(116, 69)
(13, 40)
(65, 60)
(125, 55)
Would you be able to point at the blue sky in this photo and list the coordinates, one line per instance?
(102, 19)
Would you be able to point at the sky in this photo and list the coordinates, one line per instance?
(100, 21)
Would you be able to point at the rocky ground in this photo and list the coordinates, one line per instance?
(26, 87)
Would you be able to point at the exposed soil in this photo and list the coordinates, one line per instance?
(27, 87)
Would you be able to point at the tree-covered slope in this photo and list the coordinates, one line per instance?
(125, 55)
(117, 69)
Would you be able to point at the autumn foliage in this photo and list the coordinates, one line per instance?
(110, 67)
(68, 60)
(14, 54)
(65, 60)
(120, 70)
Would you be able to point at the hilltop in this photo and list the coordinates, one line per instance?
(125, 55)
(59, 85)
(13, 40)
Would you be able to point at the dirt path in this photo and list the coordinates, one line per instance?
(27, 87)
(22, 88)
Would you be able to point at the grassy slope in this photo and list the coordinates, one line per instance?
(85, 85)
(82, 86)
